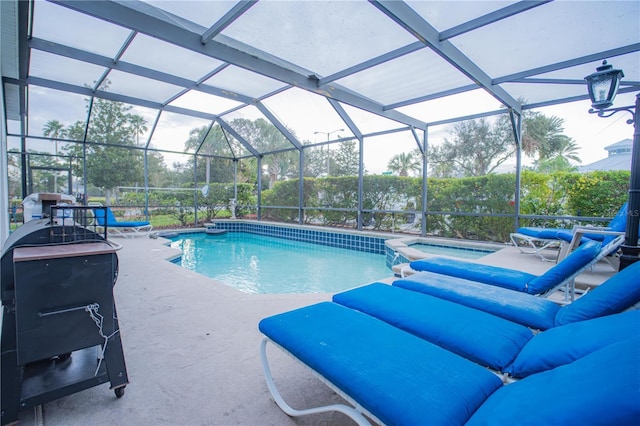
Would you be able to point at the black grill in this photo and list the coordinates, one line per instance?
(60, 331)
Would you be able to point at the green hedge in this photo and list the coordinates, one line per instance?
(458, 206)
(460, 203)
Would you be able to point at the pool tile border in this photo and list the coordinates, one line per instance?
(363, 243)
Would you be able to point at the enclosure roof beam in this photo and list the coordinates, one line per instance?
(87, 91)
(104, 61)
(346, 118)
(147, 19)
(281, 127)
(415, 24)
(236, 11)
(238, 137)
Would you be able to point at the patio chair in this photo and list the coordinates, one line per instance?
(479, 336)
(122, 229)
(616, 294)
(560, 275)
(534, 240)
(395, 377)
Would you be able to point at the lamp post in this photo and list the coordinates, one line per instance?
(328, 156)
(603, 87)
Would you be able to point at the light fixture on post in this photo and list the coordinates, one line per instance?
(328, 150)
(603, 87)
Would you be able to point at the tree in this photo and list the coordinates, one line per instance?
(542, 136)
(266, 138)
(75, 132)
(208, 145)
(404, 163)
(107, 165)
(159, 174)
(346, 159)
(110, 159)
(315, 163)
(478, 148)
(55, 130)
(138, 125)
(559, 162)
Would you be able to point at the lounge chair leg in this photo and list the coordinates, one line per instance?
(290, 411)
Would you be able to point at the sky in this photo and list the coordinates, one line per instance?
(308, 115)
(590, 132)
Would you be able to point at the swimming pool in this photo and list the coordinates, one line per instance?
(268, 265)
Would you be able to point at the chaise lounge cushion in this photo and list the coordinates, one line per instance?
(398, 377)
(494, 275)
(617, 224)
(602, 388)
(567, 343)
(478, 336)
(534, 312)
(618, 293)
(567, 267)
(511, 278)
(542, 233)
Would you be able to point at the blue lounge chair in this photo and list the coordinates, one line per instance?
(561, 275)
(479, 336)
(620, 292)
(534, 240)
(123, 229)
(395, 377)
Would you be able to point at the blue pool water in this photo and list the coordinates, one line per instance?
(466, 253)
(260, 264)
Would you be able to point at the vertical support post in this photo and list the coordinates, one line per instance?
(301, 187)
(146, 174)
(70, 183)
(630, 249)
(146, 184)
(195, 190)
(425, 164)
(259, 197)
(23, 139)
(5, 200)
(360, 181)
(516, 124)
(84, 154)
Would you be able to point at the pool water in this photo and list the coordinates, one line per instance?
(460, 252)
(259, 264)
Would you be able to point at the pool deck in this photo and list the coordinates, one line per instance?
(191, 346)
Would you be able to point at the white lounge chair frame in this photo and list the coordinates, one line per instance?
(124, 231)
(580, 231)
(129, 231)
(356, 413)
(534, 245)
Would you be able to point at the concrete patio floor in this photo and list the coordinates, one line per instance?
(191, 346)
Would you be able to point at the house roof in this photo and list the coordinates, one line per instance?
(625, 143)
(613, 162)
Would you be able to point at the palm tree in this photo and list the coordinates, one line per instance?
(55, 130)
(404, 163)
(569, 150)
(138, 126)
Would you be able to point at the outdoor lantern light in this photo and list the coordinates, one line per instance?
(603, 85)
